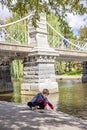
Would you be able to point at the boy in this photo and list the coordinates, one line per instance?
(40, 101)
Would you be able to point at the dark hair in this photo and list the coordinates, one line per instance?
(45, 91)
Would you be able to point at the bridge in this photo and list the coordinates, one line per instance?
(37, 55)
(71, 55)
(13, 50)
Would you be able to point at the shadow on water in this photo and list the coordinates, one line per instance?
(71, 99)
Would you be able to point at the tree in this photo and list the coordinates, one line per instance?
(61, 7)
(18, 31)
(83, 33)
(16, 69)
(16, 66)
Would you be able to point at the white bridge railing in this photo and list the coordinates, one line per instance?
(18, 32)
(59, 41)
(15, 31)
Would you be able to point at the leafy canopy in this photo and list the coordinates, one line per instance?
(61, 7)
(83, 33)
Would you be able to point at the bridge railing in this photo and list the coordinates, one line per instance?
(18, 32)
(15, 31)
(57, 40)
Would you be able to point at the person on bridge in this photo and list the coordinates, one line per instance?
(40, 101)
(65, 41)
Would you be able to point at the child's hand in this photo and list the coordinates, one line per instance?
(48, 109)
(45, 108)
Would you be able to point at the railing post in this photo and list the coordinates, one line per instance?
(39, 71)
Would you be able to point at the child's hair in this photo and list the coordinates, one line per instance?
(45, 91)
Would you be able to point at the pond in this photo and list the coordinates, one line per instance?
(71, 99)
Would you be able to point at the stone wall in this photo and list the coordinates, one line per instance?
(5, 78)
(39, 73)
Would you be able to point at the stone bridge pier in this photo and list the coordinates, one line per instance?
(39, 69)
(84, 76)
(5, 77)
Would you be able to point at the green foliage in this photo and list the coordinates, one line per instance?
(53, 38)
(18, 31)
(75, 72)
(68, 68)
(83, 33)
(61, 7)
(17, 92)
(17, 69)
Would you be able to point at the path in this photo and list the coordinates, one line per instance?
(17, 117)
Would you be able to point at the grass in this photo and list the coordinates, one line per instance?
(76, 72)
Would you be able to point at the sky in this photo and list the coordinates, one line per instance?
(4, 13)
(74, 21)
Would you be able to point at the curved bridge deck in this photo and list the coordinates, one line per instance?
(14, 49)
(21, 50)
(71, 55)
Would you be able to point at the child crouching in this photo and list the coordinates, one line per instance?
(40, 101)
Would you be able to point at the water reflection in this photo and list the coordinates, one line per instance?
(17, 92)
(18, 98)
(73, 98)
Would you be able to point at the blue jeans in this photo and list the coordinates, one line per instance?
(33, 104)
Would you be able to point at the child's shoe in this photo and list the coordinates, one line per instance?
(34, 108)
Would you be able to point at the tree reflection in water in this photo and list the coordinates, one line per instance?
(71, 99)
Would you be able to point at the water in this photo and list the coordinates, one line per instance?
(71, 99)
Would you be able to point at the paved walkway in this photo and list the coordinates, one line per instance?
(19, 117)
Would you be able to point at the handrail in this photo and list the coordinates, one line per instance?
(64, 37)
(5, 25)
(27, 17)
